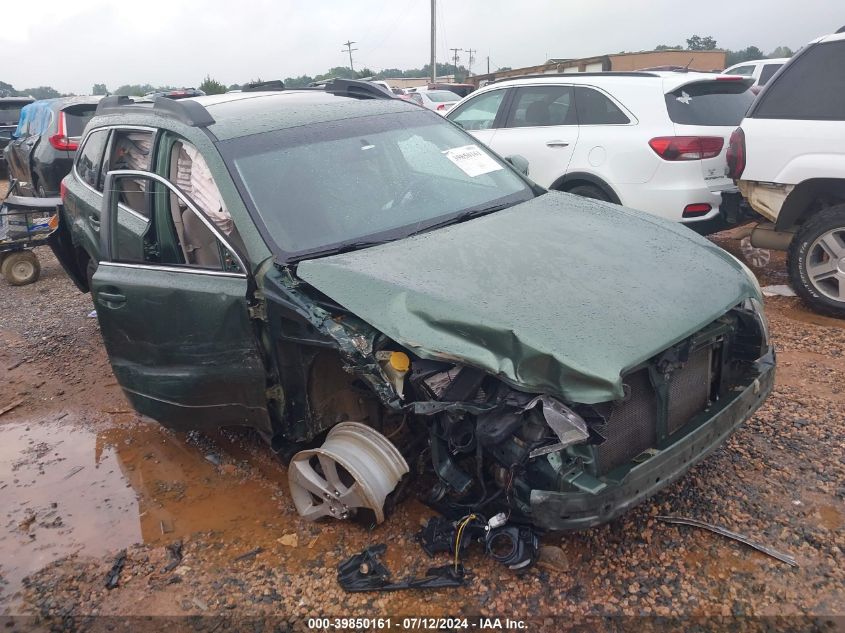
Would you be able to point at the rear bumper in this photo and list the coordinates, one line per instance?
(579, 510)
(733, 211)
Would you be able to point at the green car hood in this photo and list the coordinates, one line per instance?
(557, 295)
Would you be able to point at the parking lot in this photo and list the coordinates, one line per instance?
(83, 477)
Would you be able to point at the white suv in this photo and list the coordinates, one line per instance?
(761, 70)
(789, 160)
(653, 141)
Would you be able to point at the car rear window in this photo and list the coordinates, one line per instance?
(441, 96)
(10, 114)
(810, 88)
(77, 117)
(710, 103)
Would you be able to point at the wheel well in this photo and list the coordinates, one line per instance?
(569, 181)
(808, 198)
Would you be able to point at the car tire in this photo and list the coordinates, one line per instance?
(589, 191)
(21, 268)
(816, 262)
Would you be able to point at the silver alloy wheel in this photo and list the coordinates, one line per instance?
(356, 467)
(757, 257)
(826, 264)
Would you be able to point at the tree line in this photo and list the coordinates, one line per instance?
(212, 86)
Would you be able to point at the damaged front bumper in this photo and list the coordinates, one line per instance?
(579, 510)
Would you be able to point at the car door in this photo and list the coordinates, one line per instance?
(481, 114)
(23, 147)
(179, 335)
(541, 125)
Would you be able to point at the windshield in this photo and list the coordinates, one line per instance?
(710, 103)
(440, 96)
(323, 187)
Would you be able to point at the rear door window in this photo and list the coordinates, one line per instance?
(131, 149)
(767, 72)
(594, 108)
(710, 103)
(89, 158)
(538, 106)
(811, 88)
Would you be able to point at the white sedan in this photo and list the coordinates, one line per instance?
(441, 101)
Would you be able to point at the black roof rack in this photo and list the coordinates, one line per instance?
(256, 86)
(185, 110)
(357, 89)
(605, 73)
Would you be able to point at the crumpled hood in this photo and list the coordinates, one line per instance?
(557, 295)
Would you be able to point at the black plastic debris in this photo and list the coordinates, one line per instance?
(365, 572)
(515, 546)
(174, 552)
(113, 577)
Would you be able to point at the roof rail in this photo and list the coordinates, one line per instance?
(357, 89)
(841, 30)
(255, 86)
(605, 73)
(185, 110)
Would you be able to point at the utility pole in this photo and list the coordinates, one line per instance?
(455, 57)
(349, 50)
(433, 41)
(470, 51)
(488, 64)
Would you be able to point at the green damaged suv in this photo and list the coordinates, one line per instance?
(395, 308)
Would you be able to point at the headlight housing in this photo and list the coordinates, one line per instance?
(755, 307)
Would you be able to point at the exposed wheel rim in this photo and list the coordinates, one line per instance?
(22, 270)
(758, 257)
(356, 467)
(825, 264)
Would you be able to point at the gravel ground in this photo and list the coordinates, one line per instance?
(82, 478)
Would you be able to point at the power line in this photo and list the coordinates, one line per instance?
(348, 44)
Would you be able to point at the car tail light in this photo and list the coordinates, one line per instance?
(736, 154)
(63, 190)
(442, 106)
(676, 148)
(60, 141)
(696, 210)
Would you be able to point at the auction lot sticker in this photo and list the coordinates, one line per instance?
(472, 161)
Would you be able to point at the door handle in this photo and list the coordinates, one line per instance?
(111, 299)
(95, 220)
(557, 144)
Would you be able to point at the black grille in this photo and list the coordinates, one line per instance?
(631, 427)
(689, 389)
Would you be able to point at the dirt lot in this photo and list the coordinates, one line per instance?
(82, 477)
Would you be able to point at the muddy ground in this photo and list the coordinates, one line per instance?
(83, 477)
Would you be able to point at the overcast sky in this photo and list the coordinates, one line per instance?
(72, 45)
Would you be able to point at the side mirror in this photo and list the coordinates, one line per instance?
(519, 163)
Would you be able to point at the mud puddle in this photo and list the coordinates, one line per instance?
(66, 489)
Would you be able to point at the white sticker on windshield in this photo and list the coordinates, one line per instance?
(472, 161)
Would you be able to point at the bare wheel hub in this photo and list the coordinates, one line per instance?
(356, 467)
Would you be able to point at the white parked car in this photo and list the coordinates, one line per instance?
(653, 141)
(761, 70)
(789, 160)
(441, 101)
